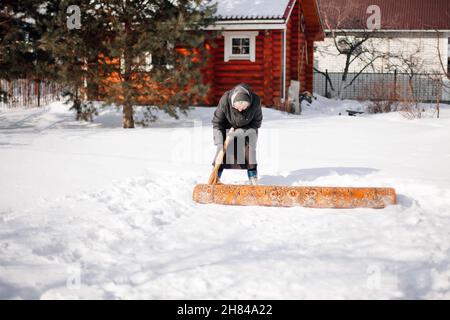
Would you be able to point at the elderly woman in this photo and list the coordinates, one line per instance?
(239, 108)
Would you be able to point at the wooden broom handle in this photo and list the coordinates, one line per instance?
(219, 159)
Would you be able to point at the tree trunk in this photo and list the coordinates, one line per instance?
(438, 97)
(344, 76)
(128, 121)
(38, 83)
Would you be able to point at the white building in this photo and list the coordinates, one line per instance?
(425, 49)
(409, 36)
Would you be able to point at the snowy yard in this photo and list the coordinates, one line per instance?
(96, 211)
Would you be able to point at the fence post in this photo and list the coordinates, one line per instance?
(38, 83)
(326, 83)
(395, 84)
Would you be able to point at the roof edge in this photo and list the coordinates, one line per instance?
(248, 17)
(288, 10)
(321, 34)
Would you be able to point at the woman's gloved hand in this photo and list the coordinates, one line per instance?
(218, 137)
(239, 132)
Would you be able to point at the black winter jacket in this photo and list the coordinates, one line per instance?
(226, 117)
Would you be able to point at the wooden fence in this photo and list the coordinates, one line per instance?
(24, 93)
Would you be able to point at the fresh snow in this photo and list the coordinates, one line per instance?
(251, 8)
(96, 211)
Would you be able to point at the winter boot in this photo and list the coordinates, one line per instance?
(219, 175)
(252, 177)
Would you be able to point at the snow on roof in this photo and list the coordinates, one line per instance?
(251, 9)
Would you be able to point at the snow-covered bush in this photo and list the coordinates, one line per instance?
(382, 96)
(382, 106)
(144, 116)
(410, 109)
(84, 110)
(387, 96)
(409, 105)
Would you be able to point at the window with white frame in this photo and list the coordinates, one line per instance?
(240, 45)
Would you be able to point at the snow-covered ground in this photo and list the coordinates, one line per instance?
(95, 211)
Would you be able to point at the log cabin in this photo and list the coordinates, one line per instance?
(265, 43)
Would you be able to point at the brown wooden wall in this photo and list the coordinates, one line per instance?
(277, 58)
(229, 74)
(301, 61)
(301, 51)
(263, 75)
(309, 72)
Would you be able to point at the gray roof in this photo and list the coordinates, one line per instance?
(251, 9)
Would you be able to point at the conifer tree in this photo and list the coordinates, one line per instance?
(76, 50)
(21, 56)
(153, 31)
(145, 52)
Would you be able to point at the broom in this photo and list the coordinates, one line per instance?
(214, 178)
